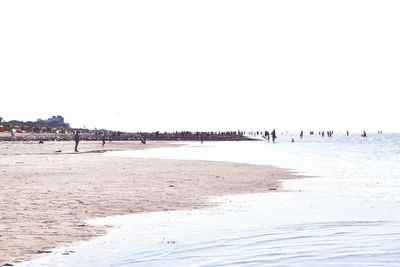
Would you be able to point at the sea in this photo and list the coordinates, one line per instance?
(346, 212)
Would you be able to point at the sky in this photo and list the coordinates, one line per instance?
(202, 65)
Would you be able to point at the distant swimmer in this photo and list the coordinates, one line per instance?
(364, 134)
(266, 135)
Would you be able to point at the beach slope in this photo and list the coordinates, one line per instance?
(47, 191)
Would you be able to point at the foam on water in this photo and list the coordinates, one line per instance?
(346, 215)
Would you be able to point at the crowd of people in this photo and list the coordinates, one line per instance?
(105, 135)
(143, 137)
(272, 135)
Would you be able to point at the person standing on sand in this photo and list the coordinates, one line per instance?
(13, 133)
(76, 138)
(104, 139)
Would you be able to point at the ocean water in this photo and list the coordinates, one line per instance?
(346, 214)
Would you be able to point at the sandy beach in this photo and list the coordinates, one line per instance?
(47, 190)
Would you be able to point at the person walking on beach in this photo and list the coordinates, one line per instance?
(301, 134)
(76, 138)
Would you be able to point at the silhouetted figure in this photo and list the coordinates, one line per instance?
(103, 139)
(301, 135)
(364, 134)
(266, 136)
(347, 133)
(323, 133)
(273, 135)
(143, 139)
(292, 140)
(76, 137)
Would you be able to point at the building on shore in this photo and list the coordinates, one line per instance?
(55, 123)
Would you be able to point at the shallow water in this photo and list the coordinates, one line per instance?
(346, 216)
(340, 244)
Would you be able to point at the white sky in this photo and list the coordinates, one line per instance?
(202, 65)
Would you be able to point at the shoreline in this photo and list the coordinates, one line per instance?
(48, 195)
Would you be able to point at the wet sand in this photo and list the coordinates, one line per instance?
(47, 190)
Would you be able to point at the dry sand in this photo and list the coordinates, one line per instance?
(46, 195)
